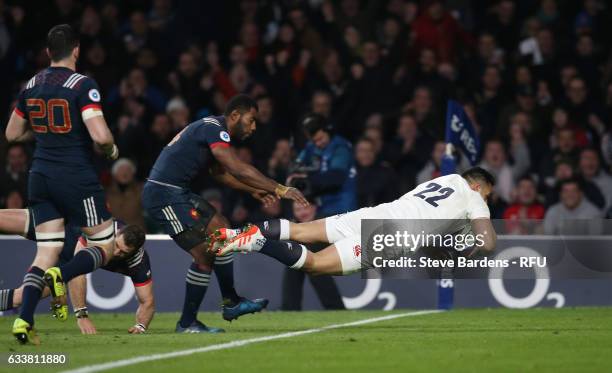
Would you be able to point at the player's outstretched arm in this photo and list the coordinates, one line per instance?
(77, 287)
(486, 236)
(249, 175)
(102, 136)
(146, 308)
(225, 178)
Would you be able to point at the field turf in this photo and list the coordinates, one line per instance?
(482, 340)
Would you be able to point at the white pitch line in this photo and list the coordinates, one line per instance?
(238, 343)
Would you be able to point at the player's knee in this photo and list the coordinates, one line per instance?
(204, 261)
(217, 221)
(196, 236)
(102, 237)
(309, 263)
(193, 240)
(314, 264)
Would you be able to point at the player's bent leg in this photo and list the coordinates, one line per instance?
(101, 240)
(103, 236)
(12, 298)
(324, 262)
(196, 284)
(223, 265)
(185, 217)
(234, 305)
(14, 221)
(341, 258)
(50, 241)
(195, 241)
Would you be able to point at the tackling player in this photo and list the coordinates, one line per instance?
(455, 201)
(64, 113)
(187, 218)
(129, 259)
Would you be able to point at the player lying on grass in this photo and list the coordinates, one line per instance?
(189, 219)
(129, 259)
(456, 201)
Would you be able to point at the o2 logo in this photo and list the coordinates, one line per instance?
(124, 297)
(370, 293)
(539, 291)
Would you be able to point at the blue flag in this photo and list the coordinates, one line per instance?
(461, 132)
(448, 165)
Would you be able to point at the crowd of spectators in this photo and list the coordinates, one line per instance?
(534, 76)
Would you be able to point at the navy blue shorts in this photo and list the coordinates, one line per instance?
(79, 200)
(175, 210)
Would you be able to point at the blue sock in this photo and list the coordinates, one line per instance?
(6, 299)
(196, 284)
(224, 270)
(290, 254)
(270, 228)
(33, 285)
(85, 261)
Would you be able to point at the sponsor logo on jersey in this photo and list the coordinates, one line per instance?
(224, 136)
(94, 95)
(194, 214)
(357, 250)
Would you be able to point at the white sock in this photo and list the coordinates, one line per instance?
(284, 230)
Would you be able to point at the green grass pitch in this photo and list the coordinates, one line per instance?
(479, 340)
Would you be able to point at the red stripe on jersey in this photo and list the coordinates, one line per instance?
(139, 284)
(19, 112)
(220, 143)
(91, 106)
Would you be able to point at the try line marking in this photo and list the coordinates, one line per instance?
(238, 343)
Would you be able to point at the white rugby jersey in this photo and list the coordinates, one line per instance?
(443, 205)
(445, 197)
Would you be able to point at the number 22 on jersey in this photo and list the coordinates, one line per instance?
(434, 192)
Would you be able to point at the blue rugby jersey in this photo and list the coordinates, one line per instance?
(190, 152)
(54, 102)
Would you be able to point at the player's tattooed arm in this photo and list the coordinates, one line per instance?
(146, 309)
(249, 175)
(486, 236)
(102, 136)
(225, 178)
(77, 287)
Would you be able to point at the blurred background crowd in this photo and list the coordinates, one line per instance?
(535, 77)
